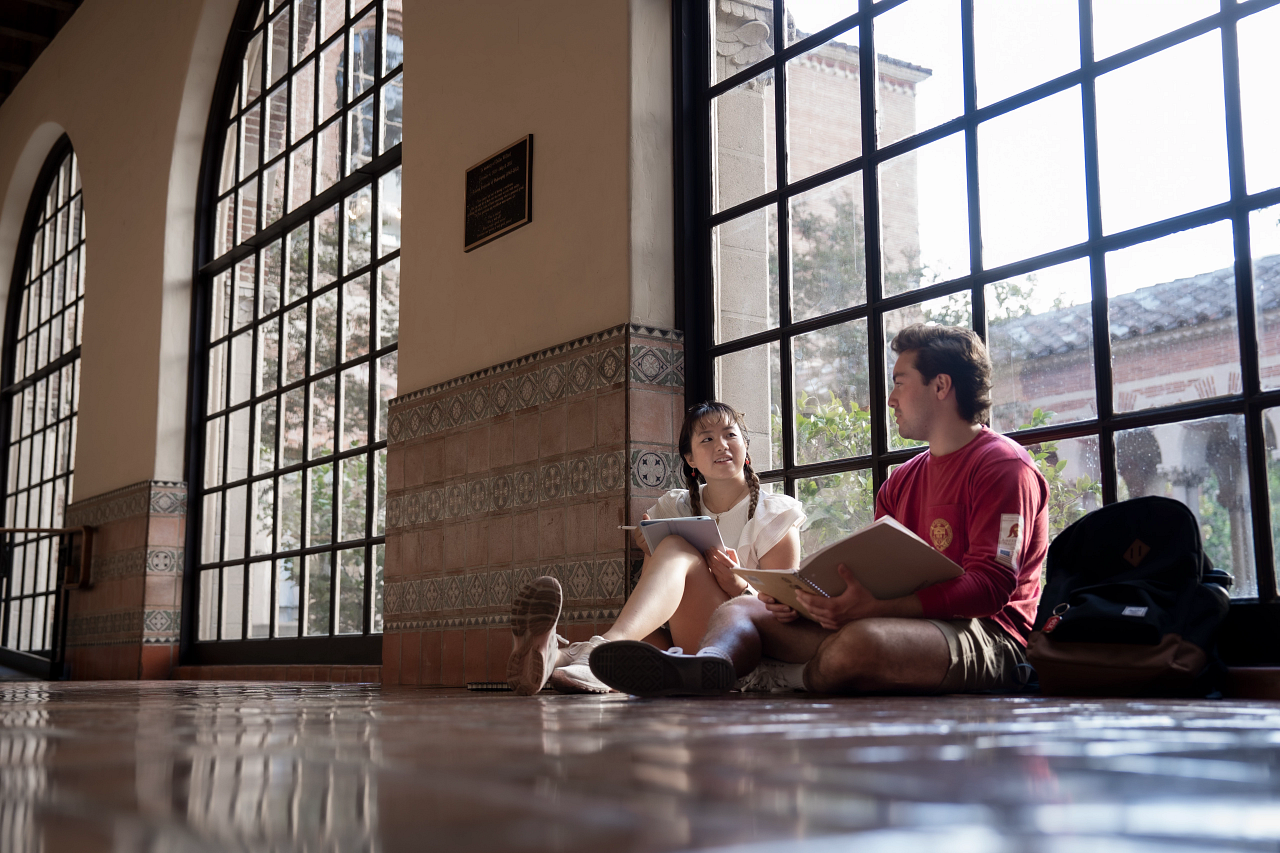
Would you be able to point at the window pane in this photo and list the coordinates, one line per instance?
(743, 36)
(919, 51)
(323, 400)
(1025, 157)
(262, 517)
(260, 600)
(318, 585)
(751, 382)
(355, 491)
(360, 144)
(304, 105)
(824, 119)
(1172, 311)
(389, 201)
(232, 602)
(387, 384)
(351, 591)
(742, 122)
(1071, 468)
(924, 216)
(331, 80)
(265, 425)
(392, 113)
(234, 523)
(833, 393)
(835, 506)
(355, 317)
(208, 622)
(1118, 26)
(1039, 335)
(389, 303)
(1202, 464)
(393, 39)
(359, 227)
(288, 598)
(1264, 237)
(320, 496)
(828, 251)
(1163, 153)
(745, 273)
(329, 156)
(277, 121)
(1259, 69)
(379, 558)
(289, 508)
(1019, 45)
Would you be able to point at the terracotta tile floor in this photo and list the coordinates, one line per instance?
(177, 766)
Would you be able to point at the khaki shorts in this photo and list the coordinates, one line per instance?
(983, 657)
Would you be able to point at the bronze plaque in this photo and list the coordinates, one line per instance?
(499, 194)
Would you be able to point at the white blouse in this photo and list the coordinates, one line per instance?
(775, 516)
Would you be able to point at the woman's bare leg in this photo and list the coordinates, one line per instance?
(674, 585)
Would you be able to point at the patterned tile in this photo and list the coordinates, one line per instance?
(581, 476)
(502, 492)
(393, 512)
(551, 479)
(392, 598)
(451, 593)
(500, 589)
(552, 380)
(579, 581)
(395, 427)
(410, 603)
(165, 561)
(414, 507)
(526, 488)
(610, 472)
(609, 366)
(657, 365)
(501, 396)
(433, 505)
(526, 390)
(455, 501)
(478, 495)
(161, 621)
(581, 374)
(652, 469)
(456, 410)
(609, 578)
(429, 598)
(476, 589)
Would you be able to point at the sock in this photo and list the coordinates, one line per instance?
(792, 675)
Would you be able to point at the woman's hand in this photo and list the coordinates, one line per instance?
(637, 536)
(781, 612)
(721, 562)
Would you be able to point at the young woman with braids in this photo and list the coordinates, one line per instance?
(678, 587)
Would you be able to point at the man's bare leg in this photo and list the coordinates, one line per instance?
(880, 656)
(742, 630)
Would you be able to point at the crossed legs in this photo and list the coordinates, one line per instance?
(866, 656)
(676, 587)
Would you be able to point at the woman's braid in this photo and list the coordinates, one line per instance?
(695, 496)
(753, 483)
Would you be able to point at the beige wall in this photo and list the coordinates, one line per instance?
(124, 83)
(563, 72)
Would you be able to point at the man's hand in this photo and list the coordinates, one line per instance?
(855, 603)
(781, 612)
(638, 536)
(721, 562)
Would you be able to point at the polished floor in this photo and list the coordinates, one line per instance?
(178, 766)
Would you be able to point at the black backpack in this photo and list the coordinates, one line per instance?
(1131, 605)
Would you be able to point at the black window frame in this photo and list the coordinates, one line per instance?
(48, 661)
(363, 648)
(1249, 636)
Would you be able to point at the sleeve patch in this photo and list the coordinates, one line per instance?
(1009, 540)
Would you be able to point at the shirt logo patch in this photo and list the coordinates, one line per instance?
(941, 534)
(1009, 540)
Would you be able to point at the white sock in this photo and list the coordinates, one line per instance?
(792, 674)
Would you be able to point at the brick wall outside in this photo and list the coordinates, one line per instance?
(125, 626)
(522, 469)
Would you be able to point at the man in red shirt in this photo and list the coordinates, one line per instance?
(976, 495)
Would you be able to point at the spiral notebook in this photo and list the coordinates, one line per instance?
(887, 558)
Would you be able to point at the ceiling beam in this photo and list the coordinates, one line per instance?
(60, 5)
(24, 35)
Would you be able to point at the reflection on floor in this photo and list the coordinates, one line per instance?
(177, 766)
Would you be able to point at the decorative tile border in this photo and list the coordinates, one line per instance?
(155, 497)
(136, 562)
(82, 628)
(581, 475)
(392, 626)
(475, 403)
(582, 580)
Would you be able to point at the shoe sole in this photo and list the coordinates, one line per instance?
(640, 669)
(534, 614)
(562, 682)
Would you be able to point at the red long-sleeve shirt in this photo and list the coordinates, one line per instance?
(984, 506)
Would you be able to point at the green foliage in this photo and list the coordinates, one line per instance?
(1215, 523)
(1067, 497)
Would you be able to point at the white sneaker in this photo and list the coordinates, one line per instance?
(771, 676)
(534, 613)
(572, 674)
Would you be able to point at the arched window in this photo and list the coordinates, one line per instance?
(297, 323)
(1093, 189)
(40, 397)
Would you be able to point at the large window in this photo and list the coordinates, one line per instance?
(1092, 186)
(40, 398)
(297, 323)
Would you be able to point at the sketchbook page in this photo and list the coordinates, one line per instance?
(887, 558)
(779, 584)
(700, 531)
